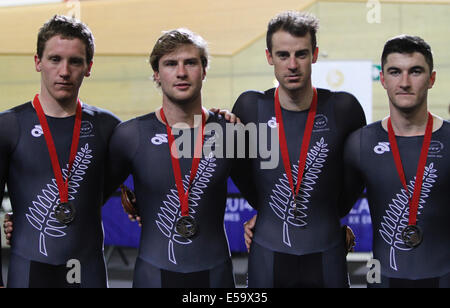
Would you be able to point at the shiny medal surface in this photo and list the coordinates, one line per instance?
(65, 212)
(186, 227)
(412, 236)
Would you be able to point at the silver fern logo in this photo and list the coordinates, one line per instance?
(170, 211)
(281, 199)
(41, 215)
(397, 215)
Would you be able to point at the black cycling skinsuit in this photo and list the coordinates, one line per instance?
(41, 246)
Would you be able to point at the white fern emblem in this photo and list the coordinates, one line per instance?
(281, 200)
(41, 215)
(397, 214)
(170, 212)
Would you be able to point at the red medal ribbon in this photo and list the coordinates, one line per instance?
(414, 202)
(63, 185)
(184, 195)
(305, 142)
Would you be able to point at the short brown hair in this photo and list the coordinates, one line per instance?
(295, 23)
(173, 39)
(66, 27)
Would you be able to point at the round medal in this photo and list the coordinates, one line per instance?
(186, 227)
(412, 236)
(65, 213)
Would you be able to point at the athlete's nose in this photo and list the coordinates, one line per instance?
(64, 70)
(292, 64)
(181, 71)
(405, 81)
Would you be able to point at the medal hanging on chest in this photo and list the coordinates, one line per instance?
(412, 235)
(64, 210)
(303, 151)
(186, 225)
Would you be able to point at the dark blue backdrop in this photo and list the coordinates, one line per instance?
(120, 231)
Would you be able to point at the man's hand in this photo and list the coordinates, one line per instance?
(135, 218)
(230, 117)
(128, 200)
(8, 227)
(350, 239)
(248, 232)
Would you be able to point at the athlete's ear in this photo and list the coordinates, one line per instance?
(37, 63)
(432, 80)
(315, 55)
(269, 57)
(382, 79)
(156, 78)
(88, 72)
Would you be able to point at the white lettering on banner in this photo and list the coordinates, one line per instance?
(232, 217)
(360, 214)
(235, 206)
(363, 207)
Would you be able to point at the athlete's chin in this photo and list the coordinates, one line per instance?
(62, 96)
(184, 99)
(294, 86)
(407, 106)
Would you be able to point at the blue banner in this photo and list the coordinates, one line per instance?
(120, 231)
(360, 222)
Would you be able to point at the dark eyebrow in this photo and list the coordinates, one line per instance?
(392, 68)
(297, 52)
(53, 55)
(302, 51)
(281, 53)
(78, 59)
(169, 61)
(196, 60)
(419, 67)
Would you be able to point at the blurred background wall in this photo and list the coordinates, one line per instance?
(126, 31)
